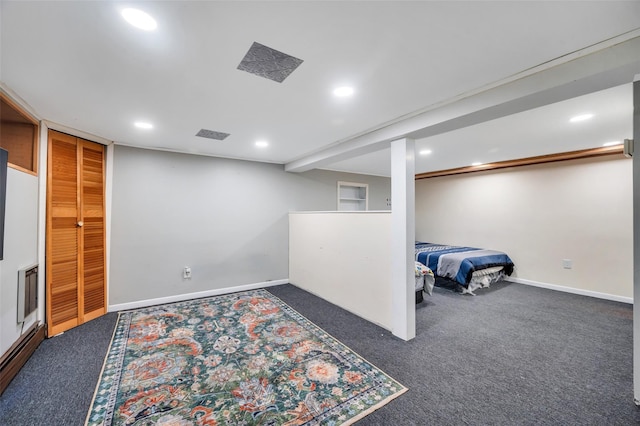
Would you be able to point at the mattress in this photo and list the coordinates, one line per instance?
(471, 267)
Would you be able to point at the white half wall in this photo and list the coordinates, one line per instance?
(345, 258)
(579, 210)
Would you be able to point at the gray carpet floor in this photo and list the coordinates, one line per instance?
(513, 355)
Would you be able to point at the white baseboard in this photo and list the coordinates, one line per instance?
(573, 290)
(197, 295)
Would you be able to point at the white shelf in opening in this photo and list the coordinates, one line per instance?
(353, 196)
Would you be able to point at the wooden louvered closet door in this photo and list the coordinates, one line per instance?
(75, 275)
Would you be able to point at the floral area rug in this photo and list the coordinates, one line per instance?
(242, 359)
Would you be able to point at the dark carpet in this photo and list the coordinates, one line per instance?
(56, 385)
(513, 355)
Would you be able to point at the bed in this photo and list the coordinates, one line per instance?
(465, 269)
(425, 280)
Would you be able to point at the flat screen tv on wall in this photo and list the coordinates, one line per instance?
(3, 195)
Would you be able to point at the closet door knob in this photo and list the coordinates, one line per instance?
(80, 223)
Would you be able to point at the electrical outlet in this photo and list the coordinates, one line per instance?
(567, 263)
(186, 273)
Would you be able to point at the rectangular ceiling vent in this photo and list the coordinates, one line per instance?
(269, 63)
(212, 134)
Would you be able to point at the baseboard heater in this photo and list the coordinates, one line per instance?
(27, 291)
(13, 359)
(18, 354)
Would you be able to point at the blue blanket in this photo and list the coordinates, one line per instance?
(458, 263)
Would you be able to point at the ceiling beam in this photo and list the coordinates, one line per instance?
(604, 65)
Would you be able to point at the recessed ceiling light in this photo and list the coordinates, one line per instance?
(143, 125)
(581, 117)
(612, 143)
(343, 92)
(262, 144)
(425, 152)
(477, 163)
(139, 19)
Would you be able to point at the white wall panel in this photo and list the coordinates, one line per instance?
(20, 250)
(225, 219)
(579, 210)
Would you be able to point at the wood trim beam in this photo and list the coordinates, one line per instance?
(22, 169)
(29, 120)
(550, 158)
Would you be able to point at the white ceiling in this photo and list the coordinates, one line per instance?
(79, 64)
(538, 131)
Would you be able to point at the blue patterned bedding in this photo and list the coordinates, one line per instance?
(459, 263)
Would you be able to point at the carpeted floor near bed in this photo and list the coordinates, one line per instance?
(511, 355)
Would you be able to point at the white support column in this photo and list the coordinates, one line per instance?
(403, 309)
(636, 240)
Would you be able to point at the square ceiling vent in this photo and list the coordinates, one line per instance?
(268, 63)
(212, 134)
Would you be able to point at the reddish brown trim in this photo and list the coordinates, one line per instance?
(564, 156)
(28, 118)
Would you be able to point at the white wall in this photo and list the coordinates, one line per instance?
(579, 210)
(20, 250)
(344, 258)
(226, 219)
